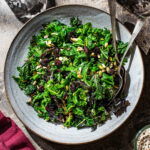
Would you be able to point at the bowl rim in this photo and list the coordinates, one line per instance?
(4, 76)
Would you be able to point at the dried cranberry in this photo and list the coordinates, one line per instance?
(58, 62)
(65, 74)
(44, 62)
(45, 76)
(54, 98)
(41, 88)
(86, 49)
(58, 70)
(111, 72)
(73, 87)
(50, 109)
(33, 94)
(80, 83)
(65, 95)
(71, 35)
(56, 52)
(47, 108)
(60, 118)
(46, 53)
(96, 50)
(44, 25)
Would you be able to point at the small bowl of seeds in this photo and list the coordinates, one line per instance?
(142, 139)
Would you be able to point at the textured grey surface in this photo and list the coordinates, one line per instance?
(27, 9)
(120, 139)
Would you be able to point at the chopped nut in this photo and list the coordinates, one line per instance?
(103, 70)
(111, 65)
(108, 70)
(39, 112)
(65, 59)
(110, 58)
(80, 68)
(39, 73)
(92, 111)
(54, 33)
(116, 68)
(49, 43)
(35, 82)
(78, 72)
(101, 67)
(68, 48)
(106, 45)
(100, 73)
(29, 101)
(67, 88)
(46, 36)
(74, 39)
(92, 54)
(26, 60)
(79, 76)
(98, 56)
(79, 49)
(39, 66)
(60, 58)
(44, 67)
(115, 63)
(38, 63)
(116, 87)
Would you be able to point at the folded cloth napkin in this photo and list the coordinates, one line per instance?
(11, 136)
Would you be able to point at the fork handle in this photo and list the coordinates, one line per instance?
(112, 8)
(137, 29)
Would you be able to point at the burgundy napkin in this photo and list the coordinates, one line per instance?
(11, 136)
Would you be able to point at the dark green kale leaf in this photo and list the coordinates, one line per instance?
(30, 89)
(75, 22)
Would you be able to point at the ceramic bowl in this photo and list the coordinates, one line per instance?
(18, 52)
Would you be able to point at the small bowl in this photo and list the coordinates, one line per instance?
(138, 135)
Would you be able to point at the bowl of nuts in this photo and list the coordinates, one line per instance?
(142, 139)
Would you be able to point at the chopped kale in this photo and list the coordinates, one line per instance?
(70, 73)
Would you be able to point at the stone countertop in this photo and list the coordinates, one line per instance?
(122, 138)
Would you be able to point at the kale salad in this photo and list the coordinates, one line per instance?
(70, 73)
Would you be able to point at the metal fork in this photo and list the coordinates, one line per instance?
(121, 71)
